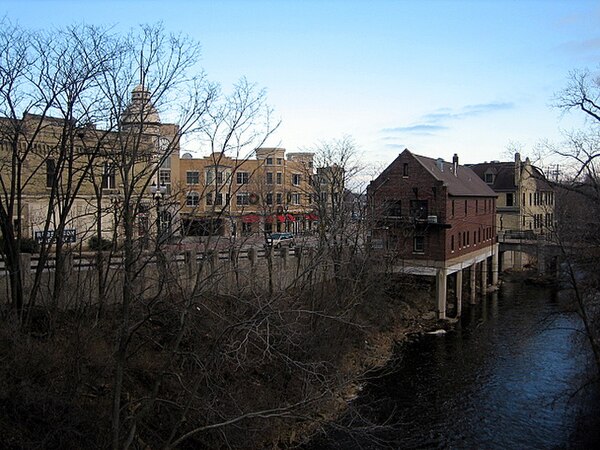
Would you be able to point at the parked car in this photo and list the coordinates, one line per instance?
(278, 240)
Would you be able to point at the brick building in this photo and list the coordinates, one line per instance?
(221, 195)
(435, 218)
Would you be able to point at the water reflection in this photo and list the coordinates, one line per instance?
(507, 377)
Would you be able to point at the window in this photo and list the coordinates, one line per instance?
(192, 199)
(418, 209)
(279, 161)
(405, 170)
(242, 177)
(489, 178)
(50, 172)
(419, 244)
(509, 199)
(108, 177)
(452, 208)
(219, 199)
(466, 207)
(279, 198)
(452, 243)
(269, 161)
(209, 198)
(296, 199)
(479, 235)
(164, 176)
(269, 198)
(242, 198)
(279, 178)
(213, 175)
(296, 179)
(193, 177)
(393, 208)
(269, 177)
(530, 195)
(459, 242)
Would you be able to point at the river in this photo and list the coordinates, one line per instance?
(509, 376)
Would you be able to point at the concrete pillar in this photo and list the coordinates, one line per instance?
(25, 264)
(190, 262)
(484, 271)
(440, 293)
(518, 260)
(459, 282)
(252, 256)
(473, 283)
(495, 268)
(541, 260)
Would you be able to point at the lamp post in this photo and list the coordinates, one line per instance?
(158, 193)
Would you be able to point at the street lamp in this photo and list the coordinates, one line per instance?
(158, 193)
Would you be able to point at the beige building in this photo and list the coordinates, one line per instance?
(525, 206)
(70, 176)
(228, 196)
(525, 199)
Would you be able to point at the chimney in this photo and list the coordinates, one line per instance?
(440, 164)
(517, 168)
(455, 164)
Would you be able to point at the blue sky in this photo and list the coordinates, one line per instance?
(436, 76)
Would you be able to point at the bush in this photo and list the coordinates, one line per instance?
(28, 245)
(95, 243)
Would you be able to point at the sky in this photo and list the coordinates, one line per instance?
(438, 77)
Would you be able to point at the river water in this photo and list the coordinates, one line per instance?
(510, 376)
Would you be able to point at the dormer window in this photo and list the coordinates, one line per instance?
(489, 178)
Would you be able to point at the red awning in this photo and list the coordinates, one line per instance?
(290, 218)
(268, 219)
(311, 217)
(250, 218)
(281, 218)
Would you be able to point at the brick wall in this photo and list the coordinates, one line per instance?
(406, 181)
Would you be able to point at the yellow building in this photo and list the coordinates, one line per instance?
(70, 177)
(525, 199)
(228, 196)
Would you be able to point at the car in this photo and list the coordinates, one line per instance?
(278, 240)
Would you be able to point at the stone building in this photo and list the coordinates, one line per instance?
(525, 198)
(435, 218)
(70, 174)
(526, 203)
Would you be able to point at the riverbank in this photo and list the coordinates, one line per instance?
(407, 310)
(512, 375)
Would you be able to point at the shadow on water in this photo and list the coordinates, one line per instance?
(510, 375)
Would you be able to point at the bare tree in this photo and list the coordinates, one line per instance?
(579, 200)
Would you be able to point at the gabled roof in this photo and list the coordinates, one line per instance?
(504, 174)
(465, 183)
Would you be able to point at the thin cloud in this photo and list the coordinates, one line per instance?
(415, 129)
(395, 146)
(467, 111)
(586, 46)
(431, 123)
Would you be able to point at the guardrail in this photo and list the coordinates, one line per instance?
(88, 260)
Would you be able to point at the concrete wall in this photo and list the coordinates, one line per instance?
(252, 272)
